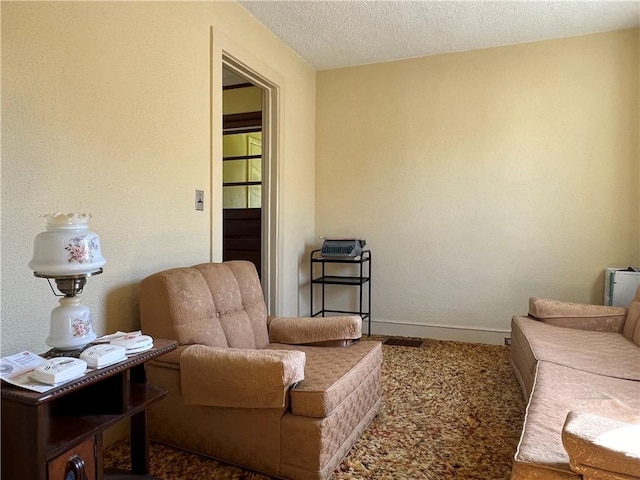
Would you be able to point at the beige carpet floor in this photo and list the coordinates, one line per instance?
(450, 410)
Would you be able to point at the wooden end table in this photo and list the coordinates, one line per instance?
(47, 435)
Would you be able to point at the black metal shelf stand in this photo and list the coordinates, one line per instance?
(362, 280)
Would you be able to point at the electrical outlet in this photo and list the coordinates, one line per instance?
(199, 199)
(507, 341)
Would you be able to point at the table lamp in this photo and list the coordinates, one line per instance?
(68, 252)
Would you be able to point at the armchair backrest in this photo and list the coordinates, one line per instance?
(214, 304)
(631, 328)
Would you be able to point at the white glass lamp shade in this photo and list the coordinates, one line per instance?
(70, 327)
(67, 247)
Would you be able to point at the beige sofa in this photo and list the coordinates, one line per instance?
(284, 396)
(579, 367)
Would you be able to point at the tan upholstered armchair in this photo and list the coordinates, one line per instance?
(284, 396)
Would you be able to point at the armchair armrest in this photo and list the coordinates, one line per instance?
(312, 330)
(601, 447)
(578, 315)
(241, 378)
(170, 359)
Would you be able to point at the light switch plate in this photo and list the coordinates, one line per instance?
(199, 199)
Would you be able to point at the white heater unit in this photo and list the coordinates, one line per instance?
(620, 285)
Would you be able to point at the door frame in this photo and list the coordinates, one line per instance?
(227, 54)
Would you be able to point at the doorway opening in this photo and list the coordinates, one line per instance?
(241, 170)
(249, 180)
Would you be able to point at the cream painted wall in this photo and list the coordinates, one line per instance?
(481, 178)
(106, 109)
(239, 100)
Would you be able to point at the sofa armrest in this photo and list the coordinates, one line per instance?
(599, 446)
(241, 378)
(578, 315)
(313, 330)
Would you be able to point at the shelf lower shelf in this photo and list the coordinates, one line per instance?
(69, 430)
(363, 315)
(340, 280)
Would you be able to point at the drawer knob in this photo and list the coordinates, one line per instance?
(75, 469)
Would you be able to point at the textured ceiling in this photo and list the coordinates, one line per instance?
(331, 34)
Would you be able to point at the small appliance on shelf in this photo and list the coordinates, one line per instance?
(59, 370)
(103, 355)
(342, 247)
(135, 344)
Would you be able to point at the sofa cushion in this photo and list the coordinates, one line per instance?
(595, 442)
(559, 389)
(330, 375)
(548, 308)
(602, 353)
(577, 315)
(632, 324)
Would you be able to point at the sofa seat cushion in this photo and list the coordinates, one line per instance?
(602, 444)
(558, 390)
(330, 375)
(602, 353)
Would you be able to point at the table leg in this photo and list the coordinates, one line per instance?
(139, 444)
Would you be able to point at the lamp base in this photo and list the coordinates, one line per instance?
(70, 326)
(56, 352)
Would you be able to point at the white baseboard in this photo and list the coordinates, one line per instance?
(437, 332)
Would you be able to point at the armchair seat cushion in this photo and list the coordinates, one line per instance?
(331, 374)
